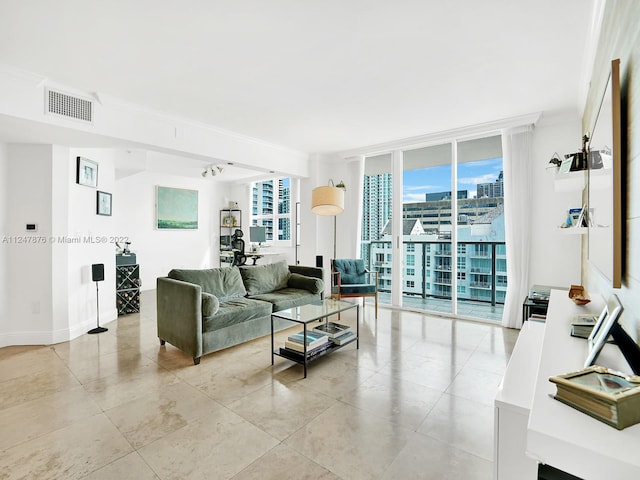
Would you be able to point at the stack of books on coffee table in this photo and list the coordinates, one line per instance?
(316, 343)
(338, 334)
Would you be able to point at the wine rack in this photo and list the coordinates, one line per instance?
(128, 289)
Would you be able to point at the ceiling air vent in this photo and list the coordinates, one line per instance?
(68, 106)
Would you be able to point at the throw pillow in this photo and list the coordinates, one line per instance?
(210, 304)
(265, 278)
(224, 283)
(314, 285)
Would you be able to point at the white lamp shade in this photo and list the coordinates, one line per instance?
(327, 200)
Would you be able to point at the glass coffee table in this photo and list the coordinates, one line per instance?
(306, 315)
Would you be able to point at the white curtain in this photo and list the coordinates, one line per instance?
(516, 152)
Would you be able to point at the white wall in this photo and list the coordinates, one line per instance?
(555, 256)
(4, 184)
(158, 251)
(29, 267)
(94, 235)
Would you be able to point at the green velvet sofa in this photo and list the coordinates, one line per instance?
(202, 311)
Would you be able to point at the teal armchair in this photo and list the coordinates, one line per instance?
(350, 278)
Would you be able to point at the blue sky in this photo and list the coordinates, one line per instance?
(438, 179)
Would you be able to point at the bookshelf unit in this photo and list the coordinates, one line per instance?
(230, 221)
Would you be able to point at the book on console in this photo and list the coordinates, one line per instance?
(608, 396)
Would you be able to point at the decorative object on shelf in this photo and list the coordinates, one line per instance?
(177, 208)
(579, 295)
(86, 172)
(103, 203)
(555, 161)
(329, 200)
(213, 170)
(97, 275)
(230, 221)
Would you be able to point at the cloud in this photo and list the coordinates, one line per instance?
(423, 188)
(486, 178)
(413, 197)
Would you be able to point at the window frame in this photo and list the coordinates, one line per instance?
(274, 217)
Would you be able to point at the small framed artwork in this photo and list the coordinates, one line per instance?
(103, 203)
(86, 172)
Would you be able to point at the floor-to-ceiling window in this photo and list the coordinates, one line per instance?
(452, 247)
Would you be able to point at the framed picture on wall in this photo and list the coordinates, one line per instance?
(86, 172)
(103, 203)
(176, 209)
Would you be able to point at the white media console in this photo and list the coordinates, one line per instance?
(531, 427)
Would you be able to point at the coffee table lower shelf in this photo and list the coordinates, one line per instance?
(299, 357)
(306, 314)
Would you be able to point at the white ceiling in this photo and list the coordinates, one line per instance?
(317, 76)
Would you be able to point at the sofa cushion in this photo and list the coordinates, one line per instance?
(225, 283)
(314, 285)
(265, 278)
(288, 298)
(210, 304)
(234, 311)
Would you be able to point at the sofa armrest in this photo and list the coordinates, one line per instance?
(179, 315)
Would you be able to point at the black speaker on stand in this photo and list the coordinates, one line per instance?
(97, 275)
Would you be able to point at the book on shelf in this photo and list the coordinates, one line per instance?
(314, 339)
(332, 329)
(299, 354)
(605, 395)
(344, 339)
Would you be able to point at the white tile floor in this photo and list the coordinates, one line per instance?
(414, 402)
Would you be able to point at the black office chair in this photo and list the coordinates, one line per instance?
(237, 246)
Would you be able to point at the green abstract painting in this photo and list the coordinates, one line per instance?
(177, 208)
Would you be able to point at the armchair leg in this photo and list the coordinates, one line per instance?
(196, 360)
(162, 342)
(376, 305)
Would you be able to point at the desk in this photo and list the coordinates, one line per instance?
(255, 256)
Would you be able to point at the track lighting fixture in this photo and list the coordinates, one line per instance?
(213, 170)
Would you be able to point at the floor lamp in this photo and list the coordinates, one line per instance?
(97, 275)
(329, 200)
